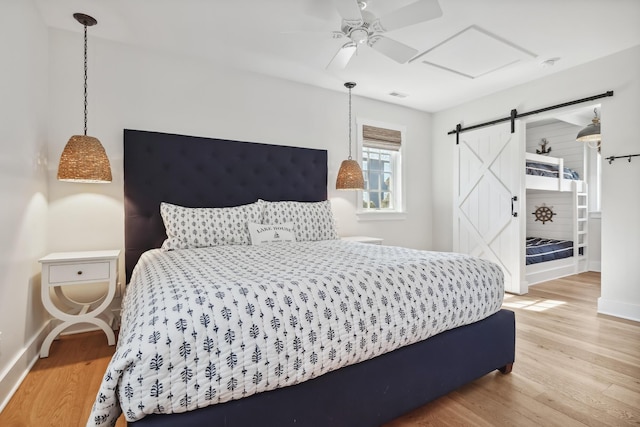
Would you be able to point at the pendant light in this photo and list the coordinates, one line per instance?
(84, 158)
(350, 173)
(591, 133)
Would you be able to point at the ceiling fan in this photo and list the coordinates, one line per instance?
(362, 27)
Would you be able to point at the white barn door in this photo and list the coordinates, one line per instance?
(489, 191)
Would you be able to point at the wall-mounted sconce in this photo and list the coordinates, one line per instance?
(591, 133)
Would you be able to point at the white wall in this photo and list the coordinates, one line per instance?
(23, 188)
(138, 89)
(561, 138)
(561, 225)
(620, 196)
(595, 242)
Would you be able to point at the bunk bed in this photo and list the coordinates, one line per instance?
(547, 259)
(542, 174)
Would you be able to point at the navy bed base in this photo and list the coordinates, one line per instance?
(203, 172)
(373, 392)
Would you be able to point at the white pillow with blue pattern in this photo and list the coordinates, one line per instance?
(189, 228)
(265, 233)
(312, 221)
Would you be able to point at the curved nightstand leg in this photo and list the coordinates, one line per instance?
(46, 344)
(111, 337)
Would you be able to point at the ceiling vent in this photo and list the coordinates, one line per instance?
(473, 52)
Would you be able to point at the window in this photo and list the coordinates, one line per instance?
(377, 167)
(381, 147)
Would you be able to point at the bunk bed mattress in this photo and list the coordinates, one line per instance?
(542, 250)
(542, 169)
(210, 325)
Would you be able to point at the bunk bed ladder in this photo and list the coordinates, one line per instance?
(580, 225)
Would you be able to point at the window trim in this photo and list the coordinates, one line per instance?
(399, 192)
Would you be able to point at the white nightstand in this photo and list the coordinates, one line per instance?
(79, 268)
(364, 239)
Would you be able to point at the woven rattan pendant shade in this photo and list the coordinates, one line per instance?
(84, 160)
(350, 176)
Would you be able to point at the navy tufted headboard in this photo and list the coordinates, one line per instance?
(205, 172)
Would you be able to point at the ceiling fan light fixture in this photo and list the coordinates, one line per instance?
(359, 35)
(362, 27)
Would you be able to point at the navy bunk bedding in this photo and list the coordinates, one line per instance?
(542, 250)
(542, 169)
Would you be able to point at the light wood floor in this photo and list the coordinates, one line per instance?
(573, 368)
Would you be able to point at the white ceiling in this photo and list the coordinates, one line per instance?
(292, 39)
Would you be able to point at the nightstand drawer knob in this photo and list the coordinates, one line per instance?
(79, 272)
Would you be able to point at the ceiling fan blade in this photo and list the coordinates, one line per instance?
(350, 11)
(419, 11)
(395, 50)
(342, 57)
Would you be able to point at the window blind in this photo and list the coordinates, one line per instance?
(385, 139)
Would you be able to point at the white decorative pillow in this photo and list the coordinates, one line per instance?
(200, 227)
(264, 233)
(311, 220)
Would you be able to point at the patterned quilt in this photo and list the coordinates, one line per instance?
(205, 326)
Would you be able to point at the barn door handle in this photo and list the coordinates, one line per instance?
(514, 199)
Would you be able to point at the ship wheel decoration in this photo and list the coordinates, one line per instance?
(544, 213)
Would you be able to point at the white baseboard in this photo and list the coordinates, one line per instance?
(595, 266)
(620, 309)
(20, 366)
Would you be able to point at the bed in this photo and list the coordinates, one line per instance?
(542, 173)
(543, 250)
(545, 169)
(395, 360)
(547, 259)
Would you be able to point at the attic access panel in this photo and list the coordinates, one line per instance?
(473, 52)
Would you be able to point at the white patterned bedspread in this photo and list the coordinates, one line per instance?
(205, 326)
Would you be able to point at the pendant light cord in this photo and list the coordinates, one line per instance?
(85, 80)
(349, 123)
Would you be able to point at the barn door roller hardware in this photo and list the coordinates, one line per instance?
(515, 115)
(628, 156)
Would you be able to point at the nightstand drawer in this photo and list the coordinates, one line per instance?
(80, 272)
